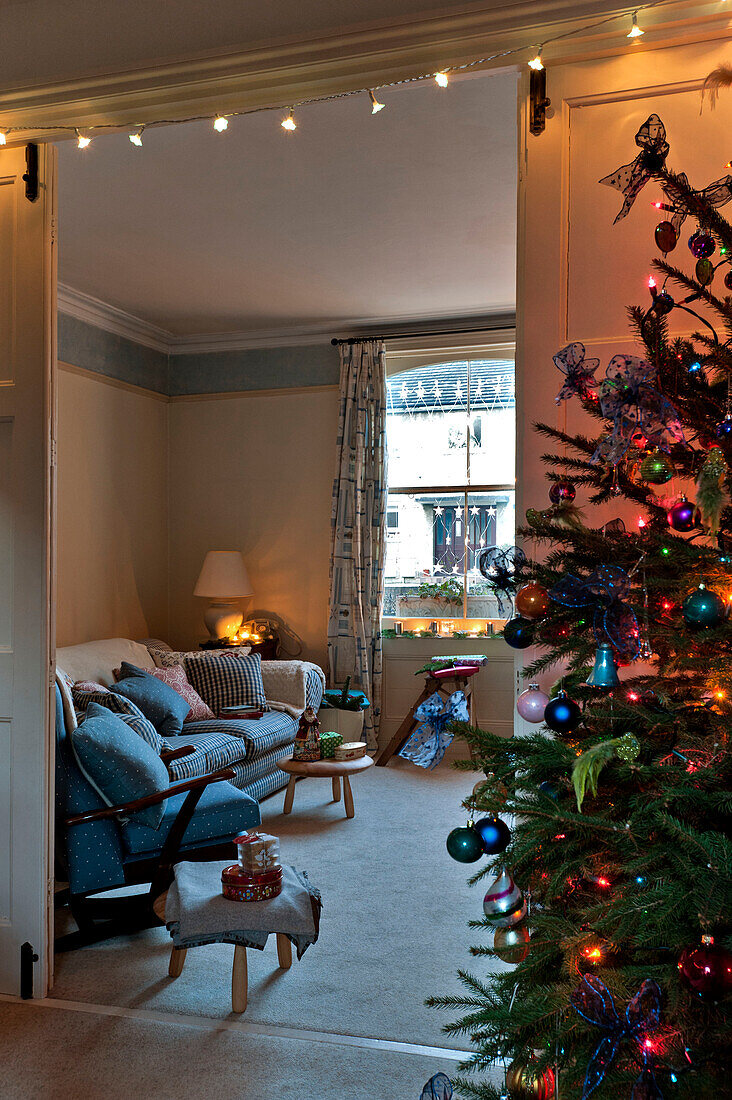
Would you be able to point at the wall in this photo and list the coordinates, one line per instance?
(235, 450)
(254, 472)
(112, 510)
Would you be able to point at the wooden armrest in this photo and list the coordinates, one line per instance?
(175, 754)
(151, 799)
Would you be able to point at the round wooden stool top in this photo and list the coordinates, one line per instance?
(324, 768)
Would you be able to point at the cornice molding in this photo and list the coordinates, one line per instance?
(101, 315)
(285, 72)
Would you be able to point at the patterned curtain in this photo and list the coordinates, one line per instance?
(358, 522)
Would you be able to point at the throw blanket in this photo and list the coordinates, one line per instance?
(285, 684)
(196, 913)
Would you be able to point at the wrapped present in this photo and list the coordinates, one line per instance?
(239, 885)
(328, 744)
(352, 750)
(307, 738)
(258, 852)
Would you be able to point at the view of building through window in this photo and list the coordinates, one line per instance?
(451, 443)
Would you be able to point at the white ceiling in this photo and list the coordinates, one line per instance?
(407, 214)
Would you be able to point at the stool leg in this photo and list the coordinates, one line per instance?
(348, 797)
(177, 958)
(289, 795)
(284, 951)
(336, 788)
(239, 980)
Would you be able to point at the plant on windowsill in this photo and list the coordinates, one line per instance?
(449, 591)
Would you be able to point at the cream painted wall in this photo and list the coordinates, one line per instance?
(112, 510)
(253, 472)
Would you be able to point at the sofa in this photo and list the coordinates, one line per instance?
(249, 747)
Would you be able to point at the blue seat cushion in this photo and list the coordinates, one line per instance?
(159, 702)
(254, 736)
(222, 813)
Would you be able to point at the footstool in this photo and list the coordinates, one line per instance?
(196, 914)
(324, 769)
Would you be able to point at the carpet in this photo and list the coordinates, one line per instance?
(393, 930)
(63, 1055)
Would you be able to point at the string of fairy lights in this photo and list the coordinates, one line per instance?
(220, 122)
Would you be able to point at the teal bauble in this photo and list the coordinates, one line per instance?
(464, 844)
(703, 608)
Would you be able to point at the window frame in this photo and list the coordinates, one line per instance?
(409, 354)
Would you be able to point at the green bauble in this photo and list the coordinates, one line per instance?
(629, 748)
(703, 608)
(464, 844)
(656, 468)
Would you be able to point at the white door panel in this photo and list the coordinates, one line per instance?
(27, 352)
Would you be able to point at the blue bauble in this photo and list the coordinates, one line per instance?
(562, 714)
(703, 608)
(551, 790)
(464, 844)
(494, 834)
(519, 633)
(723, 430)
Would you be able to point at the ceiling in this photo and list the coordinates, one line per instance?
(354, 218)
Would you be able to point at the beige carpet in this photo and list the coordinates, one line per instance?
(393, 929)
(51, 1054)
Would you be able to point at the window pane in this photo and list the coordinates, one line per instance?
(433, 411)
(425, 555)
(492, 522)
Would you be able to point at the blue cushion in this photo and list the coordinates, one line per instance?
(118, 763)
(119, 705)
(227, 680)
(222, 813)
(166, 709)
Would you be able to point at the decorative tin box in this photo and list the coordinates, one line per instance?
(239, 885)
(352, 750)
(258, 852)
(329, 742)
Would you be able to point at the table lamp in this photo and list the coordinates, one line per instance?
(223, 579)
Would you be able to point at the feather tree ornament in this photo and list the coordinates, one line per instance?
(721, 77)
(711, 495)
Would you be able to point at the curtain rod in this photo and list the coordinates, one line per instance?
(426, 332)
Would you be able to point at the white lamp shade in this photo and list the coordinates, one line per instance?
(223, 576)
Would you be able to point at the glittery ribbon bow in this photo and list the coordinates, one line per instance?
(631, 178)
(426, 746)
(501, 568)
(580, 372)
(630, 399)
(606, 590)
(438, 1087)
(594, 1002)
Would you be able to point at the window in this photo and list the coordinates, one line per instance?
(450, 434)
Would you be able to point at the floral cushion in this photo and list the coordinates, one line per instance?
(175, 677)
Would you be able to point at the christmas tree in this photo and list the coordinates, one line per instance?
(610, 895)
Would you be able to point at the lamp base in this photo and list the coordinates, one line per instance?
(222, 619)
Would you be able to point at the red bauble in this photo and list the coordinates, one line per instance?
(532, 601)
(684, 515)
(707, 969)
(562, 491)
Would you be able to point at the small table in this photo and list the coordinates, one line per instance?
(324, 769)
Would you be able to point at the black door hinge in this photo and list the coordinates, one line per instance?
(538, 101)
(31, 172)
(27, 958)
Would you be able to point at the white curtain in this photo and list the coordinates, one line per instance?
(358, 522)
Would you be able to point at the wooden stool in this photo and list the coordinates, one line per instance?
(446, 681)
(324, 769)
(239, 971)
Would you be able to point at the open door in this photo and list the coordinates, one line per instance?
(27, 365)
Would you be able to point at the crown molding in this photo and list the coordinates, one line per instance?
(101, 315)
(292, 70)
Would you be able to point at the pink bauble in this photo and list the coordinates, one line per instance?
(531, 703)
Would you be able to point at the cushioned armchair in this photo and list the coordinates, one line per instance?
(100, 848)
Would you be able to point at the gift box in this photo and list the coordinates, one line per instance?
(328, 744)
(258, 852)
(239, 885)
(352, 750)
